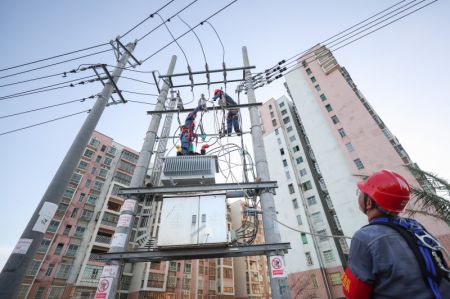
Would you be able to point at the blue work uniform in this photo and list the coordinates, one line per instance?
(232, 115)
(187, 132)
(381, 258)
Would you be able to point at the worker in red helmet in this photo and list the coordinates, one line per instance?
(393, 257)
(233, 113)
(188, 135)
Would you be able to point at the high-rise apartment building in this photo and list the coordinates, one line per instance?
(83, 224)
(329, 137)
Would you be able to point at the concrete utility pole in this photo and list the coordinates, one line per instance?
(22, 255)
(279, 285)
(108, 283)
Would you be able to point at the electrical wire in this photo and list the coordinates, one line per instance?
(140, 93)
(80, 50)
(211, 16)
(140, 102)
(137, 80)
(47, 107)
(181, 10)
(144, 20)
(45, 122)
(198, 39)
(218, 36)
(50, 88)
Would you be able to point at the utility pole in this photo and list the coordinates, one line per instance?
(108, 283)
(22, 255)
(279, 285)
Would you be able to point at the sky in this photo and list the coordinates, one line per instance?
(402, 70)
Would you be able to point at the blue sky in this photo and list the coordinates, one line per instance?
(402, 70)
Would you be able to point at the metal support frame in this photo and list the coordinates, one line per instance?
(225, 71)
(129, 53)
(269, 185)
(103, 83)
(113, 83)
(195, 253)
(208, 108)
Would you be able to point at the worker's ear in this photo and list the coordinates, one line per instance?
(370, 204)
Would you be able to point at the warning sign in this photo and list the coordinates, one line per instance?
(277, 266)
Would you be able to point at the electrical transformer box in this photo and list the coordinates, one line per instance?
(193, 221)
(189, 170)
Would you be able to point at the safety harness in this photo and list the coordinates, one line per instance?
(425, 247)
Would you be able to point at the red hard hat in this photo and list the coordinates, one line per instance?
(217, 91)
(388, 189)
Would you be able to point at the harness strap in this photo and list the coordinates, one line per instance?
(422, 253)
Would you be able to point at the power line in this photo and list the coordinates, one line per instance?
(50, 87)
(77, 51)
(47, 107)
(53, 64)
(140, 93)
(151, 31)
(44, 122)
(211, 16)
(137, 80)
(144, 20)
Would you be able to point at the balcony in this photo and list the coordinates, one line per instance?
(103, 239)
(109, 223)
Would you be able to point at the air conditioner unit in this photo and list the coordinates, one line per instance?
(189, 170)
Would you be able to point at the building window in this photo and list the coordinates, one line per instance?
(288, 129)
(328, 256)
(67, 230)
(276, 132)
(274, 122)
(83, 165)
(34, 267)
(281, 104)
(295, 203)
(44, 245)
(296, 148)
(270, 107)
(187, 268)
(286, 120)
(316, 217)
(349, 147)
(88, 183)
(272, 114)
(313, 79)
(103, 148)
(299, 160)
(59, 248)
(279, 141)
(307, 186)
(98, 185)
(72, 250)
(79, 231)
(291, 188)
(107, 161)
(311, 200)
(299, 220)
(283, 112)
(69, 193)
(308, 71)
(341, 132)
(49, 269)
(122, 178)
(94, 143)
(130, 157)
(323, 97)
(98, 159)
(39, 293)
(288, 175)
(335, 278)
(322, 232)
(292, 138)
(309, 261)
(102, 173)
(53, 226)
(317, 87)
(88, 153)
(282, 151)
(81, 198)
(328, 107)
(358, 164)
(335, 119)
(314, 281)
(93, 170)
(92, 199)
(63, 271)
(74, 213)
(304, 238)
(285, 164)
(302, 172)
